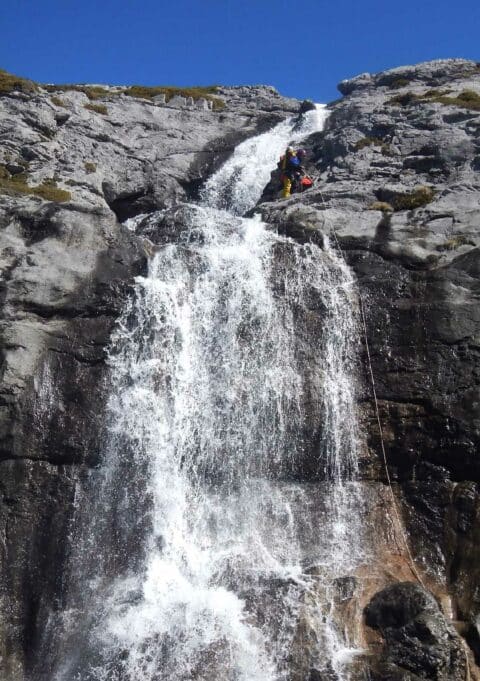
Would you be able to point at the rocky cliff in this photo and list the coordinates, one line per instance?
(71, 170)
(397, 184)
(396, 189)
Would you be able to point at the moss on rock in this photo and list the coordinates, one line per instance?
(467, 99)
(416, 199)
(98, 108)
(383, 206)
(17, 184)
(368, 142)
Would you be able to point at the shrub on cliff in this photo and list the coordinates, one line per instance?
(58, 102)
(403, 200)
(416, 199)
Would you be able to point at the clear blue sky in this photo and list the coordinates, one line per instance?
(303, 48)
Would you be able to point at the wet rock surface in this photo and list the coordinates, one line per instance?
(419, 643)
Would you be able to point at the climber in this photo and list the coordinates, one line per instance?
(299, 173)
(289, 164)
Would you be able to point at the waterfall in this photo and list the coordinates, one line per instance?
(239, 183)
(225, 519)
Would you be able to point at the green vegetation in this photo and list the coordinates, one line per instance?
(398, 83)
(17, 184)
(381, 205)
(145, 92)
(98, 108)
(373, 142)
(90, 167)
(416, 199)
(92, 91)
(467, 99)
(368, 142)
(405, 99)
(95, 92)
(10, 83)
(455, 242)
(58, 102)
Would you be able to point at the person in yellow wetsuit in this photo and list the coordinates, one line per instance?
(289, 164)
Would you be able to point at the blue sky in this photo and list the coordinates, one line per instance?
(303, 48)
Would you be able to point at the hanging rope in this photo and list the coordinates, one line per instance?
(377, 412)
(467, 659)
(382, 445)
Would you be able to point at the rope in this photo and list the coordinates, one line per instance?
(387, 472)
(467, 660)
(377, 414)
(382, 444)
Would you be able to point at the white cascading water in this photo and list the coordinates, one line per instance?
(236, 551)
(239, 183)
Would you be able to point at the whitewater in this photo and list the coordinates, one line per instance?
(203, 552)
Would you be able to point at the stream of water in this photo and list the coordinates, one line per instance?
(225, 520)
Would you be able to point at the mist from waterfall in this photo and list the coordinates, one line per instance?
(216, 532)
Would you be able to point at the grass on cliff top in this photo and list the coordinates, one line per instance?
(145, 92)
(467, 99)
(93, 92)
(17, 185)
(10, 83)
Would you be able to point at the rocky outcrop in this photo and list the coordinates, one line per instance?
(397, 187)
(71, 171)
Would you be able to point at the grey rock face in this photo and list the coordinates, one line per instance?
(435, 72)
(397, 187)
(416, 259)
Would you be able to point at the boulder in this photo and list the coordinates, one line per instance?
(419, 643)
